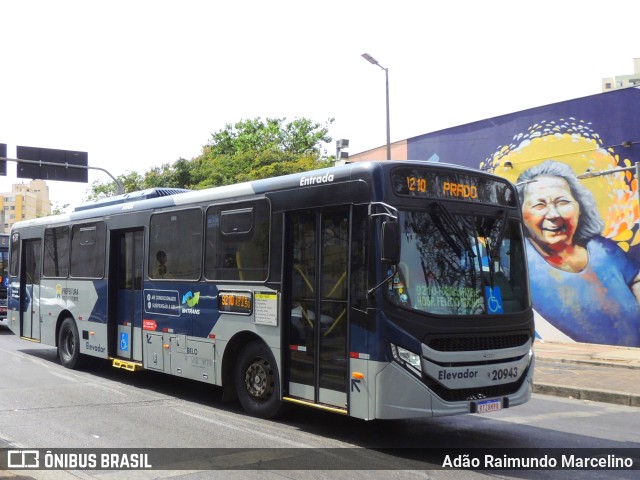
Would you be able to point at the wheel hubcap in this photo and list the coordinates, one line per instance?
(69, 343)
(258, 379)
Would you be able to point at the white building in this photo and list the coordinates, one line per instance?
(623, 81)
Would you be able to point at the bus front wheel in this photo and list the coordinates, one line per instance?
(69, 344)
(257, 381)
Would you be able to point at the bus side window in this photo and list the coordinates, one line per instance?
(161, 264)
(88, 250)
(219, 262)
(178, 235)
(14, 266)
(237, 241)
(56, 252)
(247, 258)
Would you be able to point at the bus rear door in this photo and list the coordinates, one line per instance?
(30, 295)
(125, 314)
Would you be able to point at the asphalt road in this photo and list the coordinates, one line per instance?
(43, 405)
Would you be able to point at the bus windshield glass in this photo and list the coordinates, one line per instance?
(454, 263)
(4, 268)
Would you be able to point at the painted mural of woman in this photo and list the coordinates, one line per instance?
(581, 282)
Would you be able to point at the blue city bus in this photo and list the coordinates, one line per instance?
(379, 290)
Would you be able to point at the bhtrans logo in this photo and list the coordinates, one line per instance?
(191, 299)
(326, 178)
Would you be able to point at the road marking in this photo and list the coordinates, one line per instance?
(250, 428)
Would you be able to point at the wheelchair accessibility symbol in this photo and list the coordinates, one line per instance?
(124, 341)
(494, 300)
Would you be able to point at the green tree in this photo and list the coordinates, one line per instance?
(298, 137)
(132, 182)
(58, 209)
(246, 150)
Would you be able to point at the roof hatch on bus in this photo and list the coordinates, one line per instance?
(131, 197)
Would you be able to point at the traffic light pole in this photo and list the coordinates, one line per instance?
(119, 185)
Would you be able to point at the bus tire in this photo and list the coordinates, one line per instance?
(257, 381)
(69, 344)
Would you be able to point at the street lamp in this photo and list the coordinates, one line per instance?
(373, 61)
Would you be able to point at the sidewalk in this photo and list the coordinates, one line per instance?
(601, 373)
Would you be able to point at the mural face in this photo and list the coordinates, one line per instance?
(550, 213)
(583, 236)
(582, 283)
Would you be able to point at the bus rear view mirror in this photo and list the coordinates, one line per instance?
(390, 243)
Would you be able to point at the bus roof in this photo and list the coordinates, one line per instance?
(167, 197)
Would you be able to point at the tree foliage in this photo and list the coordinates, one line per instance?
(298, 137)
(246, 150)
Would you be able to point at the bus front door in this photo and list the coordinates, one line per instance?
(30, 295)
(125, 319)
(317, 331)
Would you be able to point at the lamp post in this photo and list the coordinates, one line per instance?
(373, 61)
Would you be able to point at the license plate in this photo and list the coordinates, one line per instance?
(487, 406)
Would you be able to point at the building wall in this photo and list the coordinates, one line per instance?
(25, 201)
(601, 302)
(398, 151)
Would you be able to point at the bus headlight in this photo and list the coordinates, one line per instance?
(408, 359)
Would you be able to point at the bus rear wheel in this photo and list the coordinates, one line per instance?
(257, 381)
(69, 344)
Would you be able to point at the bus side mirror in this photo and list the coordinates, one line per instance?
(390, 243)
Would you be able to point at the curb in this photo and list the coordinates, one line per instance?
(591, 394)
(592, 363)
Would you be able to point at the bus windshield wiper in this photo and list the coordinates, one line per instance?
(495, 249)
(451, 223)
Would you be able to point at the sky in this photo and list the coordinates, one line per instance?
(140, 83)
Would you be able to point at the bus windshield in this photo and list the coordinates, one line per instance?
(4, 279)
(454, 263)
(4, 268)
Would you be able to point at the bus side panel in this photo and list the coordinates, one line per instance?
(361, 389)
(51, 304)
(185, 334)
(400, 395)
(155, 354)
(86, 302)
(129, 315)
